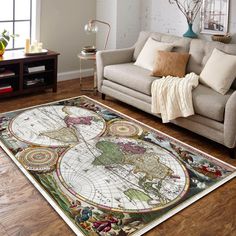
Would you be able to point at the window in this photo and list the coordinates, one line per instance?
(20, 17)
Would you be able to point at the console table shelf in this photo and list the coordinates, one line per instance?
(15, 73)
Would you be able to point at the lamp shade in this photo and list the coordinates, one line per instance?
(91, 27)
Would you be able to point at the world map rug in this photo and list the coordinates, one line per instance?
(103, 172)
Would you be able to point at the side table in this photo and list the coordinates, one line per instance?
(88, 58)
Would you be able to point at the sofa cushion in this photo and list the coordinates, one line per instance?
(201, 50)
(180, 44)
(210, 103)
(147, 56)
(206, 102)
(170, 63)
(131, 76)
(219, 71)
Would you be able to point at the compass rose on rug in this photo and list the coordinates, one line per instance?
(38, 159)
(56, 126)
(124, 129)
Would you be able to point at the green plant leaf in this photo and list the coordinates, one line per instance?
(6, 37)
(4, 42)
(1, 45)
(14, 35)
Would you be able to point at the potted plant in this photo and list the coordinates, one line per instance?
(4, 40)
(190, 9)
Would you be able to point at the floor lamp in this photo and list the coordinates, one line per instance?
(92, 27)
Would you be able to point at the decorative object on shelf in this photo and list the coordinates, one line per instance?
(89, 50)
(92, 27)
(5, 88)
(215, 16)
(27, 45)
(4, 40)
(33, 69)
(34, 82)
(6, 73)
(222, 38)
(34, 49)
(190, 9)
(43, 52)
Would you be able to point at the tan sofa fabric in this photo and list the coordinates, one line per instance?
(210, 103)
(230, 122)
(206, 101)
(170, 63)
(131, 76)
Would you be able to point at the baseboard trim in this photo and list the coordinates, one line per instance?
(74, 74)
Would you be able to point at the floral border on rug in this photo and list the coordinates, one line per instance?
(205, 174)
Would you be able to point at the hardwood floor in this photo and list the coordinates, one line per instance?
(23, 211)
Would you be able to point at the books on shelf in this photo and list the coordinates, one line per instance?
(35, 69)
(6, 73)
(5, 88)
(34, 82)
(88, 53)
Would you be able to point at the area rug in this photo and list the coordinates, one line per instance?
(103, 172)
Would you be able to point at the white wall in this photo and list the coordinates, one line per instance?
(125, 20)
(163, 17)
(128, 22)
(106, 11)
(62, 29)
(159, 16)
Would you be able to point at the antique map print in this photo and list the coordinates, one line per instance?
(104, 173)
(137, 177)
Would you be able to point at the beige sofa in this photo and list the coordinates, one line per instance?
(215, 114)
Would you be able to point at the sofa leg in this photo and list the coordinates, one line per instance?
(103, 96)
(232, 152)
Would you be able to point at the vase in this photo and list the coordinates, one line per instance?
(190, 33)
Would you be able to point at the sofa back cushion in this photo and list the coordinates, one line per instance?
(201, 50)
(180, 44)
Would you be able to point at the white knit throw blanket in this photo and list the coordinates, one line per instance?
(172, 96)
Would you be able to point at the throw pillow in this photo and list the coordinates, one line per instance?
(219, 71)
(146, 57)
(170, 63)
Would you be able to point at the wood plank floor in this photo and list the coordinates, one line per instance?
(23, 211)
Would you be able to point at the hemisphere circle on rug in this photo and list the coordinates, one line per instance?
(56, 125)
(38, 159)
(134, 176)
(124, 128)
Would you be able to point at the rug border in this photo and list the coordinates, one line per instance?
(151, 225)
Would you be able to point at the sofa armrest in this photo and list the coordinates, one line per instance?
(111, 57)
(230, 122)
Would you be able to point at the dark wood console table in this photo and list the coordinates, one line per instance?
(20, 74)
